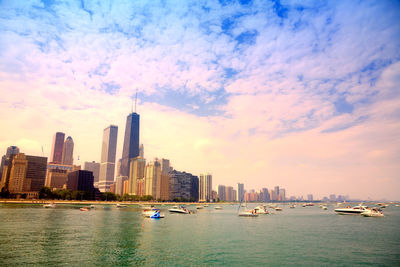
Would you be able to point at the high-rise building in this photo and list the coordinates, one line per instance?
(80, 181)
(282, 194)
(240, 192)
(11, 150)
(17, 182)
(277, 198)
(183, 186)
(141, 151)
(57, 148)
(119, 185)
(136, 175)
(95, 168)
(310, 197)
(153, 179)
(266, 196)
(205, 187)
(221, 192)
(107, 165)
(68, 152)
(131, 143)
(164, 185)
(36, 172)
(229, 193)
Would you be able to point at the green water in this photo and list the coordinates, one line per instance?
(32, 235)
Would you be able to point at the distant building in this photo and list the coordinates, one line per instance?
(136, 175)
(183, 186)
(153, 179)
(36, 172)
(164, 185)
(57, 175)
(57, 148)
(310, 197)
(282, 194)
(141, 151)
(11, 150)
(131, 143)
(205, 187)
(266, 196)
(240, 192)
(68, 152)
(95, 168)
(234, 195)
(80, 181)
(229, 193)
(221, 192)
(17, 182)
(119, 185)
(332, 197)
(107, 165)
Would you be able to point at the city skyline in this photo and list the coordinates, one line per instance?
(303, 95)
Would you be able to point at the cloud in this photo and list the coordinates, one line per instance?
(264, 92)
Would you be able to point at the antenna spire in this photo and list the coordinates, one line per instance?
(135, 100)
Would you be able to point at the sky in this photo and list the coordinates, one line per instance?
(300, 94)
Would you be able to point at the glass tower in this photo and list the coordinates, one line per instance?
(131, 142)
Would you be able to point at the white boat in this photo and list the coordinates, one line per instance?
(206, 205)
(372, 213)
(356, 210)
(324, 207)
(292, 206)
(218, 208)
(260, 210)
(180, 209)
(153, 213)
(119, 205)
(247, 213)
(51, 205)
(199, 207)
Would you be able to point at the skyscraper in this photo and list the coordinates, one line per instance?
(205, 187)
(153, 179)
(17, 181)
(239, 192)
(107, 165)
(164, 185)
(57, 148)
(131, 143)
(221, 192)
(136, 176)
(36, 172)
(11, 150)
(68, 151)
(95, 168)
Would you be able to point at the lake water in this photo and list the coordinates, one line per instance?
(310, 236)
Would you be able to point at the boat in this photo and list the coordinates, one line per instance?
(292, 206)
(309, 204)
(278, 209)
(374, 212)
(199, 207)
(50, 205)
(218, 208)
(153, 213)
(247, 213)
(85, 209)
(260, 210)
(356, 210)
(206, 205)
(324, 207)
(119, 205)
(180, 209)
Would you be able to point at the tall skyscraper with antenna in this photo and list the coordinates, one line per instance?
(131, 141)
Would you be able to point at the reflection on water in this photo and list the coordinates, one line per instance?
(31, 234)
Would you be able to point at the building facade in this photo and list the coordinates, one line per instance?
(131, 143)
(205, 187)
(240, 192)
(57, 148)
(11, 150)
(80, 181)
(183, 186)
(68, 152)
(153, 179)
(95, 168)
(221, 189)
(136, 175)
(36, 172)
(107, 164)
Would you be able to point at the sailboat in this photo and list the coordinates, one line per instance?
(245, 212)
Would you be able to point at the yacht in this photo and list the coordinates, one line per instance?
(351, 210)
(248, 213)
(51, 205)
(180, 209)
(374, 212)
(260, 210)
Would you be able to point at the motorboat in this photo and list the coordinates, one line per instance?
(248, 213)
(199, 207)
(324, 207)
(278, 209)
(206, 205)
(180, 209)
(260, 210)
(153, 213)
(119, 205)
(50, 205)
(218, 208)
(356, 210)
(292, 206)
(374, 212)
(309, 204)
(85, 209)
